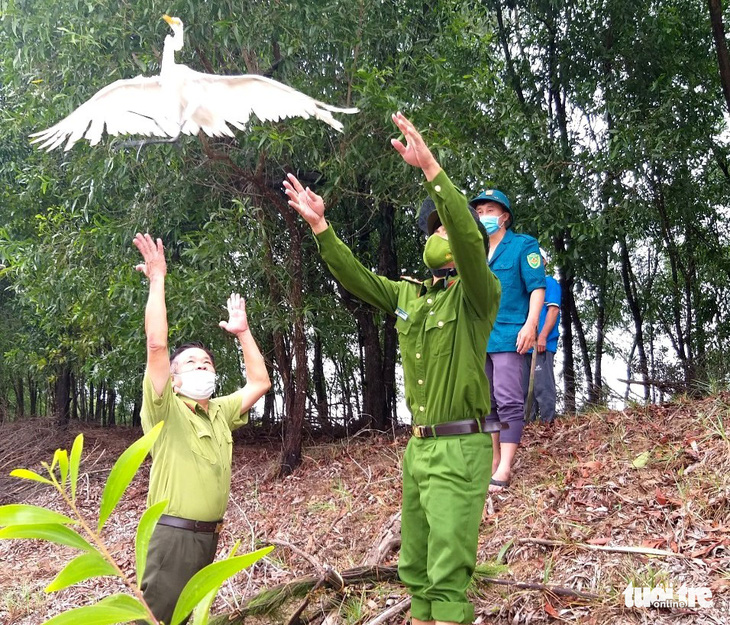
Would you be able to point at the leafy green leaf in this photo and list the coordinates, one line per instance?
(90, 564)
(209, 578)
(74, 462)
(53, 532)
(201, 613)
(114, 609)
(503, 551)
(144, 533)
(123, 471)
(25, 514)
(61, 457)
(27, 474)
(641, 460)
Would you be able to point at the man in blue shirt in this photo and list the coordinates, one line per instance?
(547, 345)
(515, 260)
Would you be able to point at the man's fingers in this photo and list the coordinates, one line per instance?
(295, 183)
(141, 267)
(311, 195)
(400, 148)
(224, 325)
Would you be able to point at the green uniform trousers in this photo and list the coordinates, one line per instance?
(445, 482)
(174, 556)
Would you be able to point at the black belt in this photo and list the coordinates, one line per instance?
(205, 527)
(451, 428)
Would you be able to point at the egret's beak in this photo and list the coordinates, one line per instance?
(168, 19)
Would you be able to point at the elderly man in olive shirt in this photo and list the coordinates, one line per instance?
(191, 459)
(443, 326)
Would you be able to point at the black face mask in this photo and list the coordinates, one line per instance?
(445, 272)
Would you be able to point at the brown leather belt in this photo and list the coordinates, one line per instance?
(205, 527)
(452, 428)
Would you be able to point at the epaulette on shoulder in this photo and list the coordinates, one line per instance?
(411, 280)
(526, 238)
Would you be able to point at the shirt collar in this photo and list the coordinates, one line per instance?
(195, 407)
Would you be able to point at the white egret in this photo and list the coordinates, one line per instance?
(181, 100)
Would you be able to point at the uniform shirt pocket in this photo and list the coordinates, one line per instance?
(203, 445)
(440, 331)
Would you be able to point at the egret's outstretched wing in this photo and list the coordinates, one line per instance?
(211, 102)
(132, 106)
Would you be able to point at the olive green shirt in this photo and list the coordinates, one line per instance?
(191, 459)
(443, 328)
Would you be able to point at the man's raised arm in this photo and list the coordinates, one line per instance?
(481, 287)
(155, 318)
(257, 376)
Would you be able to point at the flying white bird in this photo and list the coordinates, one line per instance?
(181, 100)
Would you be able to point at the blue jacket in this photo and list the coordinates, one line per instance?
(518, 265)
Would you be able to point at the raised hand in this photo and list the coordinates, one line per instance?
(306, 202)
(153, 254)
(415, 152)
(237, 319)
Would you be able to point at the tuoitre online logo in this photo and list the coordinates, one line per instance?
(665, 597)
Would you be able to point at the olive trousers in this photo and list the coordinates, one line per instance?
(173, 557)
(445, 482)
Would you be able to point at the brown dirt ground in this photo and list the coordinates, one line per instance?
(574, 483)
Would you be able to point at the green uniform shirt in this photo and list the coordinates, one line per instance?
(442, 329)
(191, 459)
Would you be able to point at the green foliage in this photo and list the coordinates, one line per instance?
(91, 564)
(210, 579)
(604, 124)
(144, 534)
(123, 471)
(25, 514)
(27, 521)
(110, 610)
(53, 532)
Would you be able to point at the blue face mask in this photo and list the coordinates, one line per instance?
(490, 223)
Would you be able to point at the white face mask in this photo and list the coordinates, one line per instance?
(196, 384)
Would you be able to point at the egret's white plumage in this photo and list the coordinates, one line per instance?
(181, 100)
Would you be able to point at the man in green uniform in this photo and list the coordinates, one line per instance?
(443, 325)
(191, 459)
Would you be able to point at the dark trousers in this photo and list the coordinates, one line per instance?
(544, 387)
(174, 556)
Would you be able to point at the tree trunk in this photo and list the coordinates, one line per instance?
(111, 404)
(629, 282)
(83, 405)
(99, 404)
(583, 343)
(136, 410)
(723, 59)
(33, 397)
(374, 404)
(388, 267)
(269, 416)
(62, 396)
(679, 340)
(320, 387)
(595, 391)
(74, 398)
(92, 396)
(566, 330)
(19, 387)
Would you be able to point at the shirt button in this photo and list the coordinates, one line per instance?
(431, 312)
(421, 408)
(418, 356)
(429, 301)
(441, 324)
(420, 381)
(437, 188)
